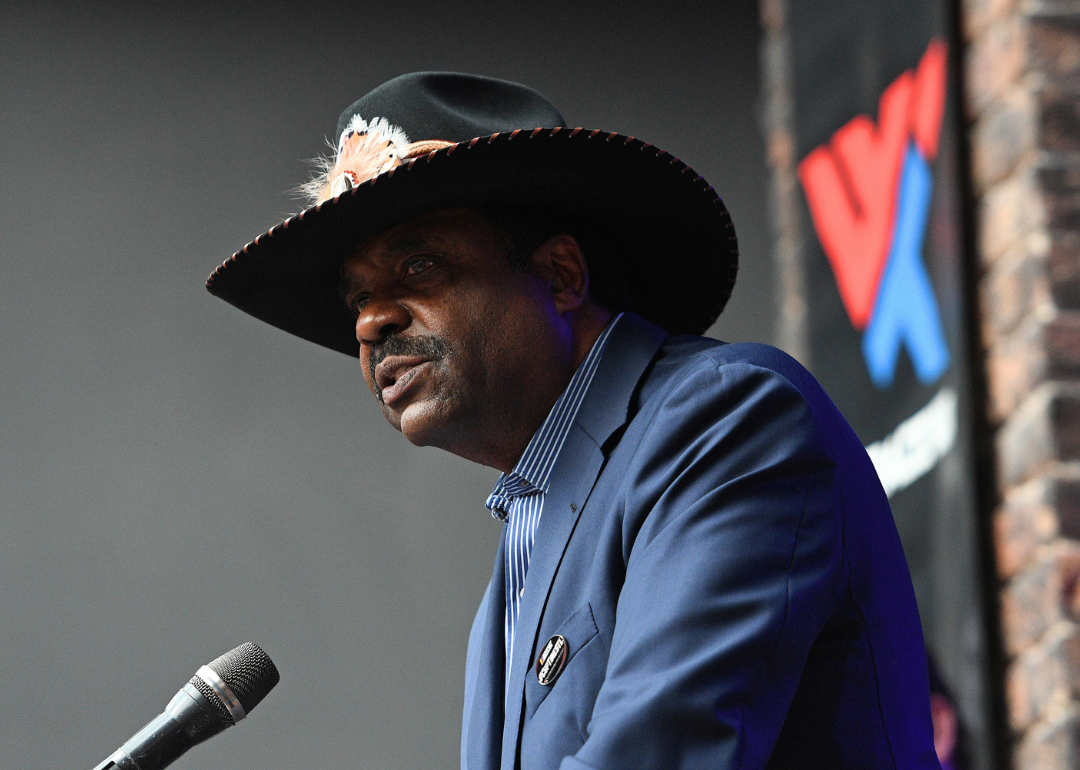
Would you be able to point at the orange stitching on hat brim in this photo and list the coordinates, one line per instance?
(430, 148)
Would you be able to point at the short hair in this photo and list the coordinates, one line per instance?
(525, 228)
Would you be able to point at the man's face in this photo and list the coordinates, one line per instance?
(461, 351)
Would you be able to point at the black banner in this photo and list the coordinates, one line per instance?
(877, 150)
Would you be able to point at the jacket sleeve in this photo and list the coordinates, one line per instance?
(733, 558)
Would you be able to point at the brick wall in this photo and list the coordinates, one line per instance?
(789, 292)
(1022, 97)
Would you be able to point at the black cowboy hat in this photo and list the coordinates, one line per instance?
(486, 142)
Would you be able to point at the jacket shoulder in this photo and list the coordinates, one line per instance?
(686, 357)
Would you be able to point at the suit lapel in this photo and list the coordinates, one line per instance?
(632, 345)
(552, 536)
(484, 717)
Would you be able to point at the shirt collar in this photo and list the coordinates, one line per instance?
(533, 470)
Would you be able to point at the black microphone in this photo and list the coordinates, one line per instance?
(218, 696)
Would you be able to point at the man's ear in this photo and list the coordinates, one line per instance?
(559, 261)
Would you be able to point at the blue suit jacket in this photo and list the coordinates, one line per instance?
(718, 552)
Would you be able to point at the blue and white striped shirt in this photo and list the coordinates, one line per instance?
(518, 497)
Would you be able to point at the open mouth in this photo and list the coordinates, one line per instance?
(395, 375)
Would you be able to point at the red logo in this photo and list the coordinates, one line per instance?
(852, 183)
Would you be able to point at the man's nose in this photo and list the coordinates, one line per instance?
(379, 319)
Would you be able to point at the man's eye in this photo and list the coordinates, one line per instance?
(418, 265)
(358, 302)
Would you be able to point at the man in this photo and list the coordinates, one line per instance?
(699, 567)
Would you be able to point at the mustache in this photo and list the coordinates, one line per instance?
(427, 346)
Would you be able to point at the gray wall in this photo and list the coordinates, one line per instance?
(176, 478)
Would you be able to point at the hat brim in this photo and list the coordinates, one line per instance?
(678, 240)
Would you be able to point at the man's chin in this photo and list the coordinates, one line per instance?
(420, 422)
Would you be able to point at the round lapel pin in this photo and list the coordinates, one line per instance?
(552, 660)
